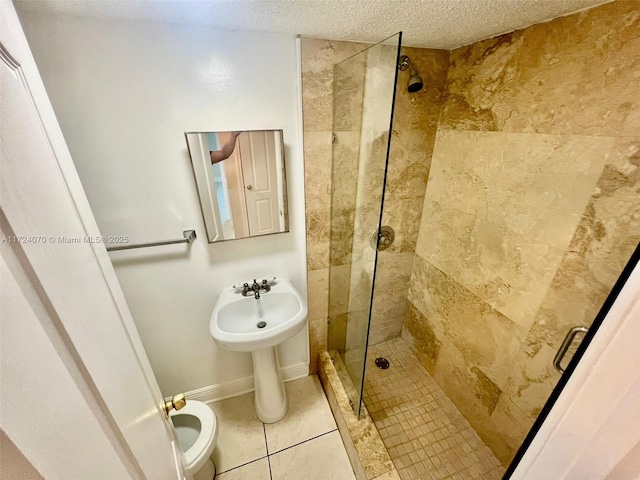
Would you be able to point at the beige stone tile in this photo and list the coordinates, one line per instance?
(409, 160)
(478, 404)
(578, 74)
(318, 224)
(607, 234)
(386, 317)
(360, 285)
(318, 283)
(317, 170)
(317, 78)
(258, 470)
(486, 338)
(240, 435)
(318, 59)
(339, 283)
(418, 333)
(573, 75)
(504, 442)
(388, 476)
(342, 247)
(308, 416)
(512, 179)
(493, 66)
(393, 272)
(410, 157)
(317, 341)
(348, 92)
(324, 454)
(404, 216)
(317, 254)
(344, 169)
(337, 332)
(422, 297)
(494, 200)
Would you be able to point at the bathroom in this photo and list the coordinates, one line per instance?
(145, 84)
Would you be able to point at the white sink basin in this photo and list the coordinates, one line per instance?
(238, 323)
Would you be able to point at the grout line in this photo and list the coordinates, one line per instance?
(304, 441)
(266, 444)
(239, 466)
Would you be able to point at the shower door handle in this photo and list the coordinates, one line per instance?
(566, 343)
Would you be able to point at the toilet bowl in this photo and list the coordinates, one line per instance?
(196, 427)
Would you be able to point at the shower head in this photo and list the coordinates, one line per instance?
(415, 83)
(415, 80)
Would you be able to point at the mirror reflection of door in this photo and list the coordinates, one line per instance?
(259, 165)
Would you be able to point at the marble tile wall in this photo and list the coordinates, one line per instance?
(531, 211)
(318, 59)
(413, 136)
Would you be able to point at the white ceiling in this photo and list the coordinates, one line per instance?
(426, 23)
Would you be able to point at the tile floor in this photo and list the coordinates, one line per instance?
(427, 438)
(304, 445)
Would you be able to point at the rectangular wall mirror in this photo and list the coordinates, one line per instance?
(241, 182)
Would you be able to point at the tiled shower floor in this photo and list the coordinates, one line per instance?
(427, 438)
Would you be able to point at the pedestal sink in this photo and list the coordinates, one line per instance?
(246, 324)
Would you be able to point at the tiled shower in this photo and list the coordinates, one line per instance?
(512, 186)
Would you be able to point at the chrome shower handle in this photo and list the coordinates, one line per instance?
(566, 343)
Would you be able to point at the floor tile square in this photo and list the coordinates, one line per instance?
(309, 415)
(240, 434)
(321, 458)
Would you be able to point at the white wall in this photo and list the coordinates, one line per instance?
(125, 93)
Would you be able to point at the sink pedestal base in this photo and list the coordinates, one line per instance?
(270, 395)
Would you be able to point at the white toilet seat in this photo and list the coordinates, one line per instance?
(197, 455)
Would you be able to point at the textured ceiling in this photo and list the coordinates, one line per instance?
(426, 23)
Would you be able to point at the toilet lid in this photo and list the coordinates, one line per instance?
(200, 450)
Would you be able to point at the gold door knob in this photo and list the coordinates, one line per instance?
(177, 401)
(249, 187)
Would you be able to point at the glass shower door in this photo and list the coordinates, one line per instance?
(363, 92)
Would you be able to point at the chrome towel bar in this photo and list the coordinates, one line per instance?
(189, 236)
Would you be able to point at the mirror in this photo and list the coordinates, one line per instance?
(241, 183)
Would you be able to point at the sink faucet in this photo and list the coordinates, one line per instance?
(255, 288)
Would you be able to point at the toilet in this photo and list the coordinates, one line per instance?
(196, 427)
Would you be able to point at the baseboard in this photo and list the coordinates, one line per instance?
(214, 393)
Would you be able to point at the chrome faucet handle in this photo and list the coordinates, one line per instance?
(268, 281)
(243, 288)
(265, 286)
